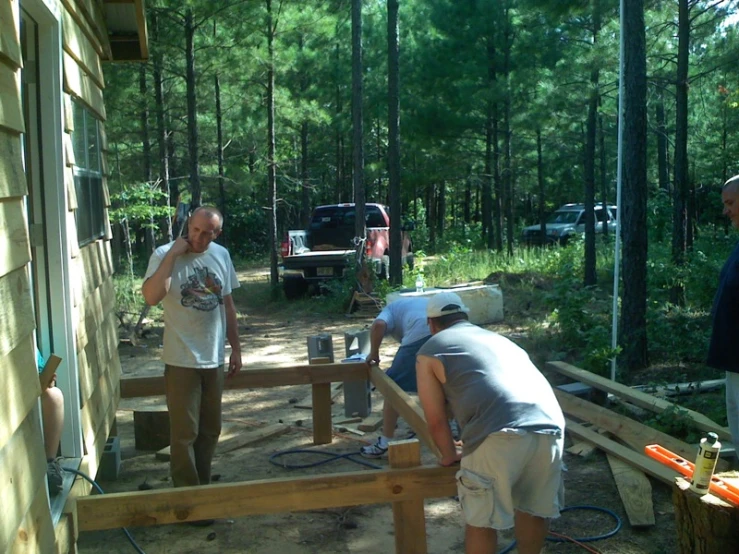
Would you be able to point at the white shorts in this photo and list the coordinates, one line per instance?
(511, 471)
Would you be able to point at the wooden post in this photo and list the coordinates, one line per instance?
(323, 432)
(408, 516)
(705, 524)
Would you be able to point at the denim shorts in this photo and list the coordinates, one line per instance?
(403, 368)
(511, 471)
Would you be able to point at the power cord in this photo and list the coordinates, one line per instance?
(100, 490)
(330, 457)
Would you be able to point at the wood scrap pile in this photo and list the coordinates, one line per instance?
(623, 439)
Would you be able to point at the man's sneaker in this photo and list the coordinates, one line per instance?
(374, 451)
(54, 477)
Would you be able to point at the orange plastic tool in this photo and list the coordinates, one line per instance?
(719, 487)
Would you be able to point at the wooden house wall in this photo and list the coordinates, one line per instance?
(26, 524)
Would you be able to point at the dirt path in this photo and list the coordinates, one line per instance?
(276, 335)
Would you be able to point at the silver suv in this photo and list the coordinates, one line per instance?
(568, 221)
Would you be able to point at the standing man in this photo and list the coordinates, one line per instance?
(405, 320)
(722, 349)
(193, 278)
(512, 428)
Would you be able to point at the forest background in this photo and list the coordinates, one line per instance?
(476, 119)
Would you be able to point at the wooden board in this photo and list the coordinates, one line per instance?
(84, 25)
(372, 423)
(151, 429)
(235, 436)
(81, 49)
(36, 531)
(406, 406)
(635, 491)
(12, 176)
(47, 374)
(22, 472)
(11, 115)
(17, 319)
(79, 84)
(19, 381)
(10, 51)
(631, 432)
(638, 398)
(15, 248)
(307, 402)
(409, 520)
(635, 459)
(266, 496)
(260, 377)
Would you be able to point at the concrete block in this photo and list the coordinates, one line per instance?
(110, 462)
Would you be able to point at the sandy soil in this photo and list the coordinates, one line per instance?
(277, 336)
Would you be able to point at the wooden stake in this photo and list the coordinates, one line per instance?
(323, 429)
(408, 515)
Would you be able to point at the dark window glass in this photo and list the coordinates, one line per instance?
(88, 179)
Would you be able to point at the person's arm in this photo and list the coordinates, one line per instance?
(155, 288)
(377, 333)
(232, 334)
(429, 376)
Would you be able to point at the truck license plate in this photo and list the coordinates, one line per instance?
(325, 271)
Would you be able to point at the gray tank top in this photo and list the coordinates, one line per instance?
(492, 385)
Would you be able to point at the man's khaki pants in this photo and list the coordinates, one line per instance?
(194, 403)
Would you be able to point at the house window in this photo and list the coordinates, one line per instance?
(88, 178)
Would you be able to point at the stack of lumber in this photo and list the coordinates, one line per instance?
(364, 305)
(623, 439)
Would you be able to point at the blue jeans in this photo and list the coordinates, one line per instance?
(403, 368)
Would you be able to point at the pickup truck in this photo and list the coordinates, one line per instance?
(326, 249)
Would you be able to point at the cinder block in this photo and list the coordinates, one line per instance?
(110, 463)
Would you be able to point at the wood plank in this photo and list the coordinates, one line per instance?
(409, 520)
(84, 25)
(15, 248)
(66, 530)
(406, 406)
(17, 319)
(95, 410)
(71, 190)
(79, 84)
(36, 532)
(81, 49)
(20, 385)
(322, 428)
(631, 432)
(259, 377)
(94, 16)
(22, 473)
(47, 374)
(10, 51)
(372, 423)
(307, 402)
(636, 459)
(267, 496)
(11, 115)
(238, 436)
(12, 176)
(68, 147)
(635, 491)
(638, 398)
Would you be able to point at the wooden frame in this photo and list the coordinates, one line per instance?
(405, 485)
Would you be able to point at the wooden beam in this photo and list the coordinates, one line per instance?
(638, 398)
(47, 374)
(268, 496)
(636, 459)
(262, 377)
(322, 426)
(408, 516)
(406, 406)
(633, 433)
(635, 491)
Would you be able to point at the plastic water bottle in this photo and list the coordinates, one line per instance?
(419, 283)
(705, 463)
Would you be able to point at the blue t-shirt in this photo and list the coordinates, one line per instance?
(406, 320)
(40, 362)
(722, 349)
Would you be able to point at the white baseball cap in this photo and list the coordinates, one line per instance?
(445, 303)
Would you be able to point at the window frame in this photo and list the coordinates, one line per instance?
(90, 214)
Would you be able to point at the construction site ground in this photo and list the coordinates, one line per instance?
(273, 335)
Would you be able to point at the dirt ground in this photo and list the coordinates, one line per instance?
(277, 336)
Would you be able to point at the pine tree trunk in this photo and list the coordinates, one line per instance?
(590, 277)
(633, 327)
(271, 174)
(393, 151)
(488, 233)
(357, 125)
(603, 177)
(663, 171)
(161, 128)
(542, 191)
(192, 111)
(507, 132)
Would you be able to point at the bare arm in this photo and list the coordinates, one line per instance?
(155, 288)
(232, 334)
(429, 377)
(377, 333)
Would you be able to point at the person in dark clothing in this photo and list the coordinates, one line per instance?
(722, 349)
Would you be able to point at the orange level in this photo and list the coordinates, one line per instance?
(719, 487)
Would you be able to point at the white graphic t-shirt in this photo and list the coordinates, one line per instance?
(194, 315)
